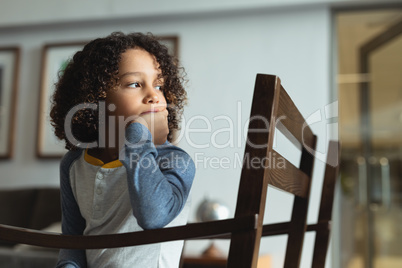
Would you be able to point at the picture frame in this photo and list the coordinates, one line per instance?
(172, 44)
(9, 73)
(54, 58)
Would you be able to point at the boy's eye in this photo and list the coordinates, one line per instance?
(158, 87)
(134, 85)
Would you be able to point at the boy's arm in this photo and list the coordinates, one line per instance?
(158, 186)
(72, 221)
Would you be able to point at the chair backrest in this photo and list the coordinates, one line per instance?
(323, 225)
(271, 108)
(272, 104)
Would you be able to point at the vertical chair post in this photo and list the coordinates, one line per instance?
(327, 200)
(298, 224)
(253, 185)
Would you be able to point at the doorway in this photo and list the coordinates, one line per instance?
(369, 80)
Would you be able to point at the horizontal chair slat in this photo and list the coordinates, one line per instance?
(291, 121)
(283, 228)
(279, 173)
(193, 230)
(280, 229)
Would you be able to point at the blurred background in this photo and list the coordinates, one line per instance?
(339, 59)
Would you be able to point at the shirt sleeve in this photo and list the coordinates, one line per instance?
(72, 222)
(159, 178)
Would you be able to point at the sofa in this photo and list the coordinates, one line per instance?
(33, 208)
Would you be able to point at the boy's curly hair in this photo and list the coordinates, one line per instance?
(92, 73)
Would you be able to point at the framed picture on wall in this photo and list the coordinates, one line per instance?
(9, 68)
(172, 43)
(55, 58)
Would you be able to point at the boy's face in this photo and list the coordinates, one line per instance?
(139, 92)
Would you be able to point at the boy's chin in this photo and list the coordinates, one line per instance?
(160, 141)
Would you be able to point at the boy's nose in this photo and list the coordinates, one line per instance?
(151, 96)
(153, 99)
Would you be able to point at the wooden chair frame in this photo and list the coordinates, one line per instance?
(323, 225)
(273, 103)
(270, 101)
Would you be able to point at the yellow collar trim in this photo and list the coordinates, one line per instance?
(97, 162)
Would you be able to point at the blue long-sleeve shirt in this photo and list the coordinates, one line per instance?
(146, 188)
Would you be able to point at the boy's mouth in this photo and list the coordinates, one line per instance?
(151, 111)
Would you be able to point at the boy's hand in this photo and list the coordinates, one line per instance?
(157, 123)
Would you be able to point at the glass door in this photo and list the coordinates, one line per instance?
(370, 123)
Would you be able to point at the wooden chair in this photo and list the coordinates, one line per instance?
(323, 225)
(270, 102)
(296, 180)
